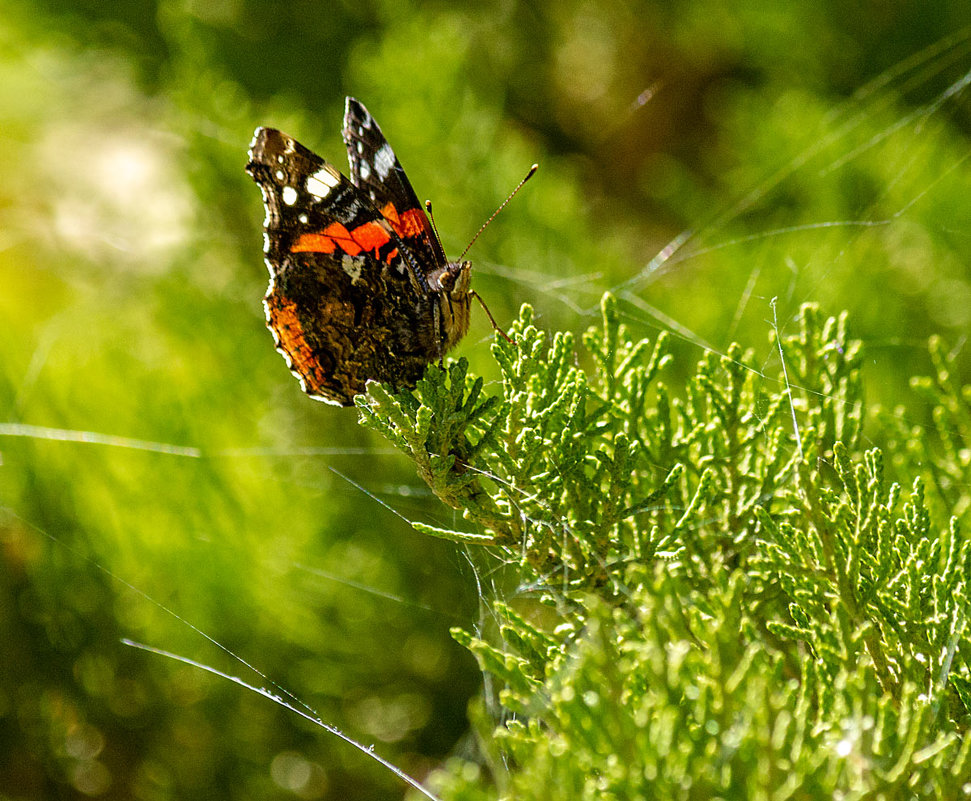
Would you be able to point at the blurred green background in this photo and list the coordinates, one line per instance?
(161, 469)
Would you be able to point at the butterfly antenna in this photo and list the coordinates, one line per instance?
(428, 208)
(530, 174)
(473, 293)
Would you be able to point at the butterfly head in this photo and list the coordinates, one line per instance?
(454, 283)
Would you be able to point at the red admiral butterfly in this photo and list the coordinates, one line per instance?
(360, 287)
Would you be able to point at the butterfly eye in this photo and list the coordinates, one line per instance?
(441, 280)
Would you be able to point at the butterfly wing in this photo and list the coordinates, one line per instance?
(375, 169)
(345, 303)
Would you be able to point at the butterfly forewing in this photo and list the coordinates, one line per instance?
(376, 170)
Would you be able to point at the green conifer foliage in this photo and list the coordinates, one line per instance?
(735, 598)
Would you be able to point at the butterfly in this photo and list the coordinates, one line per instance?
(360, 287)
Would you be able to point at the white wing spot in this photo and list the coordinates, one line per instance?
(365, 170)
(321, 182)
(384, 160)
(279, 175)
(352, 266)
(289, 195)
(303, 219)
(360, 148)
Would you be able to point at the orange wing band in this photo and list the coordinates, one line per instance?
(409, 223)
(289, 333)
(370, 236)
